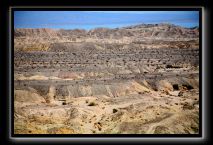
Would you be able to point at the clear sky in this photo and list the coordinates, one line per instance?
(109, 19)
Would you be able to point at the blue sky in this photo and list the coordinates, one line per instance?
(109, 19)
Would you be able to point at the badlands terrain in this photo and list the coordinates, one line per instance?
(141, 79)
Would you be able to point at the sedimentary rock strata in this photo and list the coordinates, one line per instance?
(137, 79)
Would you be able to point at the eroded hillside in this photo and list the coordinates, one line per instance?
(137, 79)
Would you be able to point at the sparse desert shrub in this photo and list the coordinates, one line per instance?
(47, 101)
(180, 93)
(92, 104)
(189, 87)
(169, 66)
(93, 131)
(114, 110)
(175, 86)
(188, 106)
(161, 130)
(195, 128)
(140, 92)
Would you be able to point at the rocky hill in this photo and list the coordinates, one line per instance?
(42, 32)
(140, 31)
(164, 36)
(141, 79)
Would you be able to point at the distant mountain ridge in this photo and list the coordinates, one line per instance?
(141, 30)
